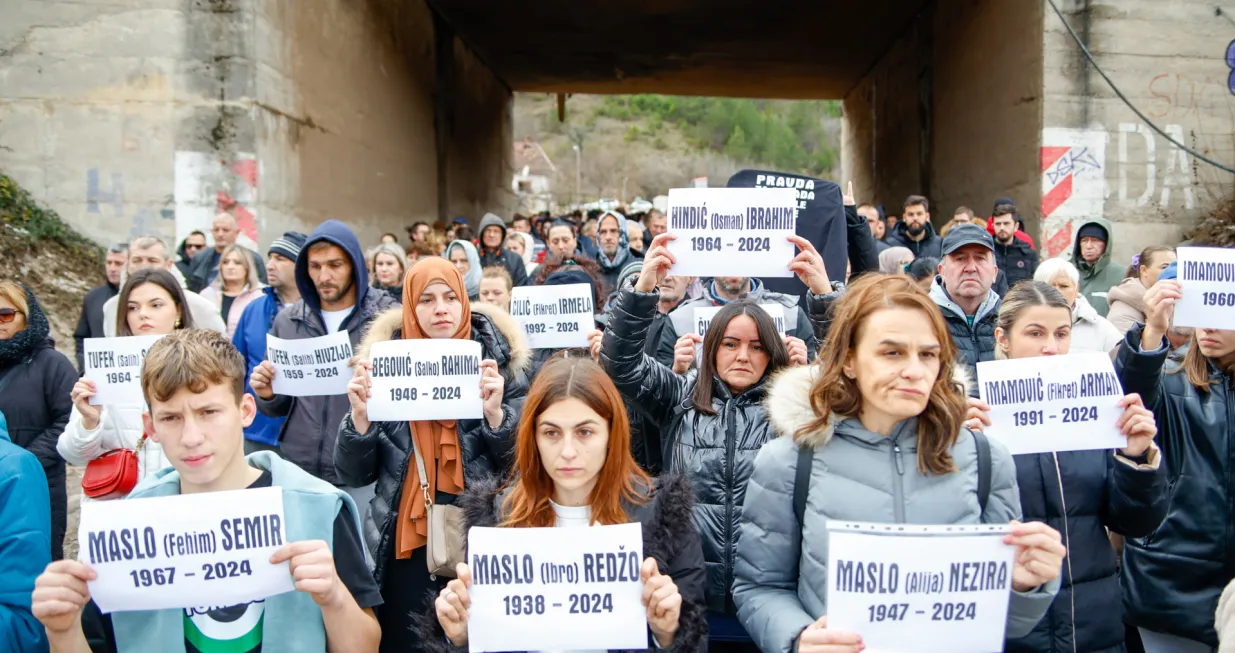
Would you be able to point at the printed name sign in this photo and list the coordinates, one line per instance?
(536, 589)
(185, 551)
(1207, 275)
(925, 589)
(115, 365)
(1053, 403)
(723, 232)
(697, 320)
(313, 367)
(425, 379)
(554, 317)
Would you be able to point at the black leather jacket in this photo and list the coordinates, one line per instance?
(1172, 579)
(716, 452)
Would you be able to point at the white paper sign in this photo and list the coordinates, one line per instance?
(554, 317)
(1207, 275)
(313, 367)
(1053, 403)
(920, 589)
(729, 232)
(425, 379)
(185, 551)
(115, 365)
(536, 589)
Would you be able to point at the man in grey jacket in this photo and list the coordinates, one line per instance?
(334, 295)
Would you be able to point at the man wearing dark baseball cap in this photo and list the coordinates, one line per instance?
(963, 292)
(250, 337)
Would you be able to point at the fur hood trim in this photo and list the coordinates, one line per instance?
(788, 401)
(384, 326)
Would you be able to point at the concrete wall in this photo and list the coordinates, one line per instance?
(951, 111)
(1098, 157)
(134, 117)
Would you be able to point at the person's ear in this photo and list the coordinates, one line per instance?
(1001, 338)
(248, 410)
(148, 425)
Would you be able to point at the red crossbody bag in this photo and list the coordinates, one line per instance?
(112, 475)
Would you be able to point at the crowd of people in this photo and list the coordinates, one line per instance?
(699, 437)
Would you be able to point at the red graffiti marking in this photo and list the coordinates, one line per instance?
(1059, 242)
(1056, 196)
(1051, 154)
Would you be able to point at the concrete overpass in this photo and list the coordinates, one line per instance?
(134, 116)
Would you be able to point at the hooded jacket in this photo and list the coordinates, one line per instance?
(798, 327)
(90, 324)
(1092, 332)
(25, 531)
(779, 588)
(611, 268)
(1127, 304)
(668, 538)
(1099, 277)
(383, 453)
(308, 435)
(1173, 576)
(931, 245)
(716, 452)
(503, 257)
(974, 343)
(471, 280)
(36, 403)
(250, 341)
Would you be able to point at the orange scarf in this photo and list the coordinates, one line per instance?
(438, 440)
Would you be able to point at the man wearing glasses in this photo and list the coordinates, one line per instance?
(189, 247)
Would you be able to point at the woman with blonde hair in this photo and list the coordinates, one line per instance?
(573, 469)
(495, 287)
(879, 413)
(389, 267)
(236, 286)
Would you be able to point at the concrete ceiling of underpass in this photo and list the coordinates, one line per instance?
(796, 49)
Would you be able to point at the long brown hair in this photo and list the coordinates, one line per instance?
(778, 354)
(620, 480)
(833, 392)
(1196, 366)
(160, 278)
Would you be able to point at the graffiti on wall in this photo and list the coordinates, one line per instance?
(206, 185)
(1230, 63)
(1073, 182)
(107, 198)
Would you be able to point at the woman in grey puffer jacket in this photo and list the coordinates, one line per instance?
(883, 419)
(713, 424)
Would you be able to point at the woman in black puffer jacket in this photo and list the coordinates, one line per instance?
(459, 453)
(710, 433)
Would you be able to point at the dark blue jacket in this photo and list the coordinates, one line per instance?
(25, 543)
(1099, 491)
(250, 339)
(1173, 577)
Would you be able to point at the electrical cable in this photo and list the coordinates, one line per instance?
(1146, 120)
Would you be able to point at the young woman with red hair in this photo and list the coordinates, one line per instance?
(573, 468)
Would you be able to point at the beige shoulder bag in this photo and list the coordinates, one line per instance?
(446, 535)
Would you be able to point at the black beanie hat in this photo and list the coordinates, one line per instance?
(1093, 230)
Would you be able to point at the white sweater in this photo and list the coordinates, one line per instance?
(120, 427)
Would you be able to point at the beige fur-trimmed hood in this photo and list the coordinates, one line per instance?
(788, 401)
(383, 328)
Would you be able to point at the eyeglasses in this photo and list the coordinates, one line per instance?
(188, 247)
(8, 315)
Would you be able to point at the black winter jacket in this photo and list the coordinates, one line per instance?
(716, 452)
(1100, 491)
(863, 248)
(507, 259)
(35, 401)
(931, 245)
(1017, 260)
(383, 453)
(668, 537)
(1173, 577)
(90, 323)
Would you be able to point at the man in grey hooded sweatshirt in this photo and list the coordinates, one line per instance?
(613, 250)
(493, 249)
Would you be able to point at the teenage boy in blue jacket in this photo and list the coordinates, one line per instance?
(25, 542)
(193, 381)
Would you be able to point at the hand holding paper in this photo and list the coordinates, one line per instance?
(452, 605)
(60, 594)
(594, 340)
(818, 638)
(312, 567)
(797, 351)
(808, 265)
(492, 387)
(1138, 423)
(977, 414)
(656, 264)
(663, 601)
(261, 379)
(359, 389)
(1160, 302)
(83, 390)
(684, 352)
(1039, 554)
